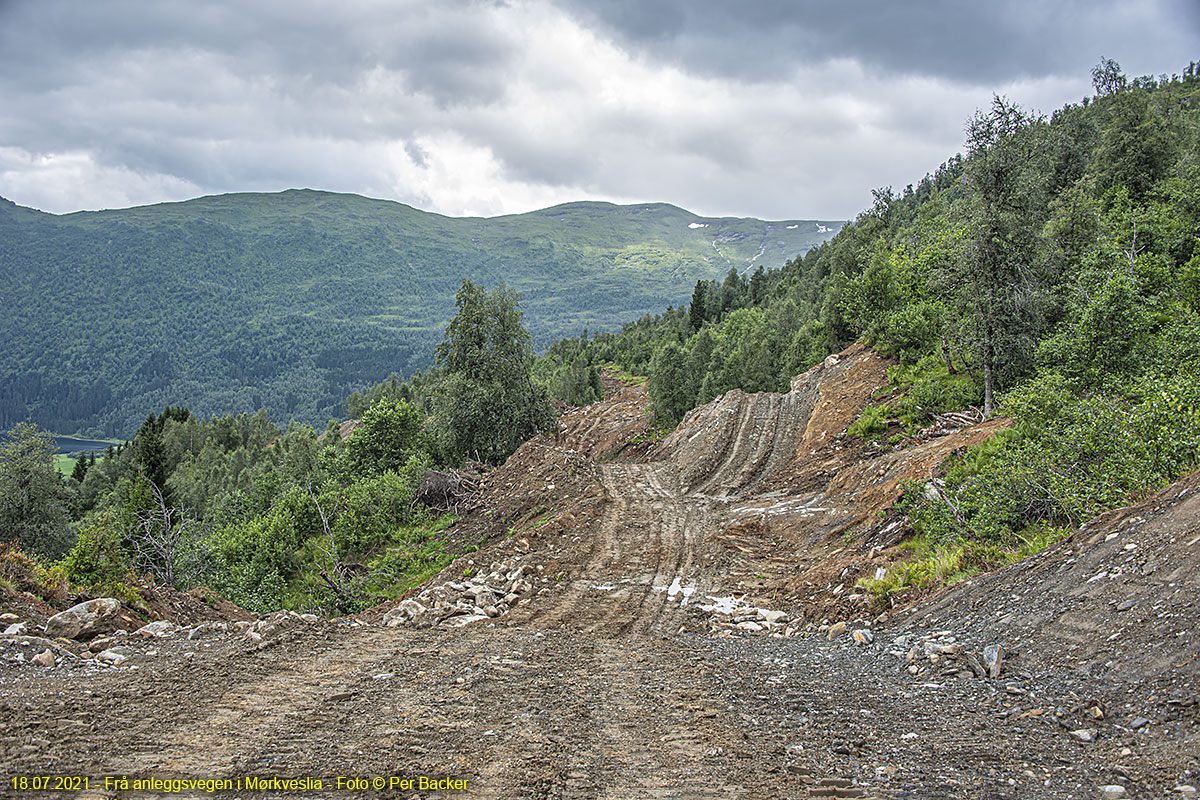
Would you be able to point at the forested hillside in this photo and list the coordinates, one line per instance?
(1051, 272)
(289, 301)
(270, 517)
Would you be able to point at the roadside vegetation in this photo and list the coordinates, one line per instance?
(273, 518)
(1050, 273)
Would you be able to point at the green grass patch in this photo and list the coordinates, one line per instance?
(872, 422)
(934, 562)
(416, 554)
(926, 388)
(618, 373)
(922, 389)
(65, 464)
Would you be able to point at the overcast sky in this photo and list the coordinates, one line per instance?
(776, 109)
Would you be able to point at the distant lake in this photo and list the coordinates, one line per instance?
(70, 444)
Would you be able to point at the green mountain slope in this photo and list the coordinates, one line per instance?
(288, 301)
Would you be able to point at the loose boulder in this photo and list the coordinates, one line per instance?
(156, 630)
(86, 619)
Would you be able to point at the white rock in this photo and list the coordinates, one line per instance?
(775, 616)
(1085, 734)
(402, 613)
(863, 636)
(16, 629)
(486, 598)
(993, 659)
(45, 658)
(112, 658)
(156, 630)
(463, 619)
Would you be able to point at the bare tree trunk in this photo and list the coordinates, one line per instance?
(988, 380)
(334, 576)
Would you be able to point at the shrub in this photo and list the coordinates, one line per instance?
(871, 422)
(97, 558)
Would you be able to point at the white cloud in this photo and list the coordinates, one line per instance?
(73, 181)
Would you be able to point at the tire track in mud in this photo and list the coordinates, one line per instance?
(230, 724)
(644, 561)
(645, 546)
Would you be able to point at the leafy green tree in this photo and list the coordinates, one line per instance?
(995, 283)
(388, 435)
(669, 384)
(577, 384)
(1138, 145)
(1107, 78)
(33, 499)
(485, 403)
(1109, 341)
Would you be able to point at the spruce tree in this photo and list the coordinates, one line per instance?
(81, 468)
(696, 312)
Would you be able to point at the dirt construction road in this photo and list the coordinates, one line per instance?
(609, 680)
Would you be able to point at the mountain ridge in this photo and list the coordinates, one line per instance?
(290, 300)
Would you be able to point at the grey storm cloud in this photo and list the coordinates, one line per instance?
(769, 108)
(983, 43)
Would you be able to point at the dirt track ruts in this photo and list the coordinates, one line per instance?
(604, 685)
